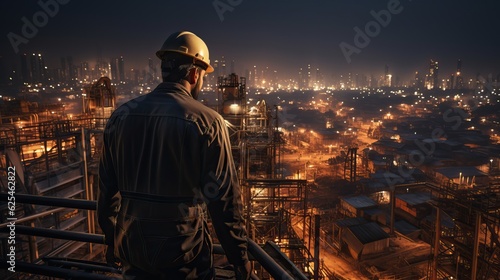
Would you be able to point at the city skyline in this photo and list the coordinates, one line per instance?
(338, 38)
(33, 71)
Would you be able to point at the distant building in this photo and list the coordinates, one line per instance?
(319, 79)
(222, 65)
(461, 176)
(308, 76)
(114, 70)
(433, 78)
(38, 69)
(25, 73)
(354, 206)
(387, 77)
(414, 205)
(302, 79)
(71, 78)
(365, 239)
(121, 69)
(152, 73)
(459, 79)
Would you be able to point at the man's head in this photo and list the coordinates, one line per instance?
(185, 59)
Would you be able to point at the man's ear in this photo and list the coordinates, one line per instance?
(193, 75)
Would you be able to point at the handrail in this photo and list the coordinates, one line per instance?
(85, 265)
(52, 201)
(59, 234)
(271, 266)
(276, 271)
(55, 271)
(34, 216)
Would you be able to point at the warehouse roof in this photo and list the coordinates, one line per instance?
(414, 198)
(351, 222)
(360, 201)
(404, 227)
(367, 233)
(457, 171)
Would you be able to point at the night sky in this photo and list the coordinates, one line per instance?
(283, 35)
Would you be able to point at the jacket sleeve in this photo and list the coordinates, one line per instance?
(221, 188)
(108, 198)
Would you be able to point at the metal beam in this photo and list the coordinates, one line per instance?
(53, 201)
(34, 216)
(60, 234)
(55, 271)
(276, 271)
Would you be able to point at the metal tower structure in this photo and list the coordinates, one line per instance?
(470, 249)
(350, 165)
(274, 205)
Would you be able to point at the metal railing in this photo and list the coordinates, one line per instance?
(65, 268)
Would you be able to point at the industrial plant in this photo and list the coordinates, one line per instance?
(405, 194)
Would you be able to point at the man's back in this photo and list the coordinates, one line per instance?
(162, 135)
(165, 157)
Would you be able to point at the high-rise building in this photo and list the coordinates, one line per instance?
(64, 70)
(308, 77)
(364, 81)
(121, 69)
(44, 77)
(223, 67)
(266, 77)
(151, 76)
(25, 73)
(342, 82)
(71, 71)
(433, 78)
(418, 81)
(302, 79)
(85, 72)
(35, 72)
(387, 77)
(38, 69)
(216, 65)
(102, 69)
(248, 75)
(134, 75)
(319, 79)
(145, 76)
(255, 76)
(459, 79)
(114, 70)
(274, 79)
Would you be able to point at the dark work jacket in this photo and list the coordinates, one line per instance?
(166, 159)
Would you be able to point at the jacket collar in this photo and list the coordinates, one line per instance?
(173, 87)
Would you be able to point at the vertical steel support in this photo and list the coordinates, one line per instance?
(317, 229)
(475, 250)
(437, 238)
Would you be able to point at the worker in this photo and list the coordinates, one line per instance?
(166, 162)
